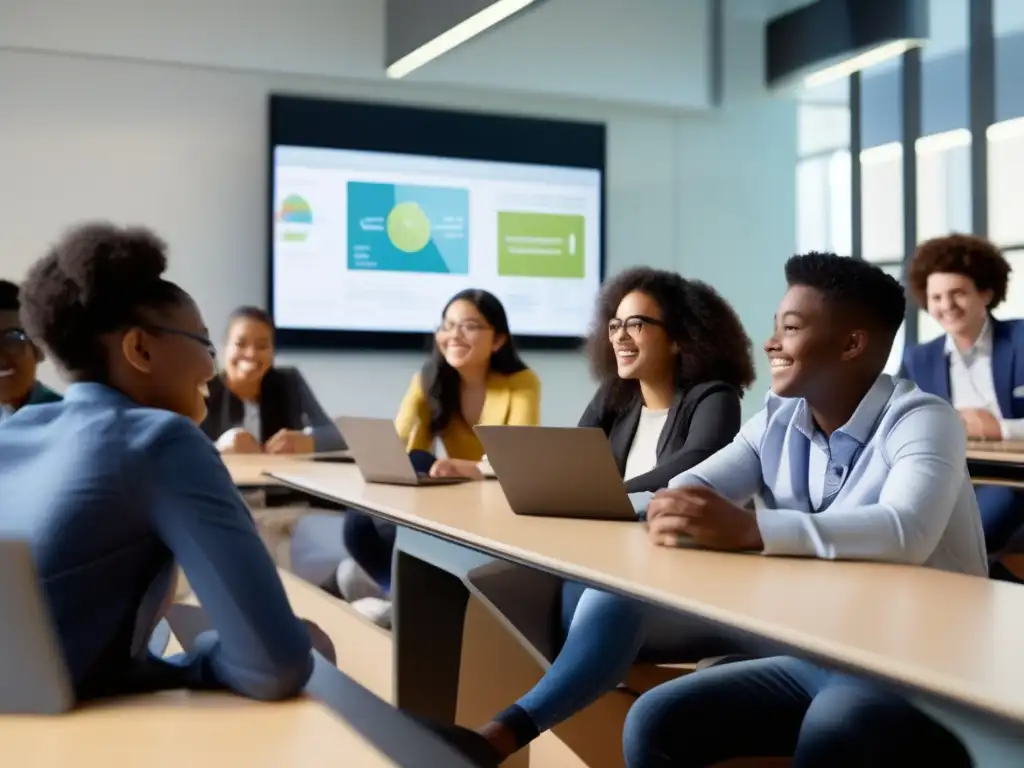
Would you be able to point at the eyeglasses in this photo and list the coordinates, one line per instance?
(211, 348)
(14, 340)
(466, 328)
(634, 325)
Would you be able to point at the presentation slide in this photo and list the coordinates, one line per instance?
(374, 241)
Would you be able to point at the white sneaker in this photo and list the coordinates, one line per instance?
(354, 583)
(376, 610)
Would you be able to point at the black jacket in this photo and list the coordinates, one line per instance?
(702, 420)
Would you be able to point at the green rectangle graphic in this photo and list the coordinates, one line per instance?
(540, 244)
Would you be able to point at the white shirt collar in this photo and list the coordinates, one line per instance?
(982, 345)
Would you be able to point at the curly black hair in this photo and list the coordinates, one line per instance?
(969, 255)
(97, 279)
(9, 296)
(858, 286)
(714, 345)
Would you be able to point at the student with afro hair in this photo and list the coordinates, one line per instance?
(117, 482)
(18, 359)
(978, 363)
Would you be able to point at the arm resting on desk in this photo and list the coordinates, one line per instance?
(259, 649)
(927, 454)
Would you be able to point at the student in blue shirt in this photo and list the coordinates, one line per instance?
(844, 462)
(116, 482)
(18, 359)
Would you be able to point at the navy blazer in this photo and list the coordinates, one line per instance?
(110, 495)
(928, 366)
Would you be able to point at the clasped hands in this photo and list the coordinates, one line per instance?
(981, 424)
(704, 516)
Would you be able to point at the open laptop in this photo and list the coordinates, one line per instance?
(380, 455)
(34, 679)
(557, 471)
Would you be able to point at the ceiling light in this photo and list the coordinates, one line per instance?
(865, 60)
(455, 36)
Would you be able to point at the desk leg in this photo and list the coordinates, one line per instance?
(429, 613)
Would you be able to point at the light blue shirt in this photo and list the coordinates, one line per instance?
(889, 485)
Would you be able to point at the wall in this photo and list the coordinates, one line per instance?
(180, 147)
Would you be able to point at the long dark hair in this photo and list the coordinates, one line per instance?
(441, 383)
(713, 344)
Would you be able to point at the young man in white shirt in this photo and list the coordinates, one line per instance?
(844, 462)
(978, 364)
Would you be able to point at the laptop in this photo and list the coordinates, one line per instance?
(380, 455)
(557, 471)
(34, 679)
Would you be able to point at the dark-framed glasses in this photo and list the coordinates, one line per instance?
(14, 340)
(465, 327)
(633, 325)
(198, 338)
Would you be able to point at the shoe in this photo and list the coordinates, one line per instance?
(375, 609)
(354, 583)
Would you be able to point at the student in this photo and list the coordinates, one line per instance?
(673, 359)
(255, 406)
(18, 359)
(474, 376)
(140, 486)
(844, 462)
(978, 364)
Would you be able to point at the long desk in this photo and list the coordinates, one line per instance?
(211, 730)
(996, 463)
(951, 642)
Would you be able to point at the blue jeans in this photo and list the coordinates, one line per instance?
(603, 635)
(782, 707)
(371, 542)
(1002, 514)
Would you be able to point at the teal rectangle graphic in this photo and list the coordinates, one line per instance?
(408, 228)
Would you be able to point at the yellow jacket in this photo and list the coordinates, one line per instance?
(513, 400)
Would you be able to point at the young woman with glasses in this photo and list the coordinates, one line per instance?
(474, 375)
(673, 361)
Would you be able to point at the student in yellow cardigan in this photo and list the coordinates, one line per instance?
(474, 376)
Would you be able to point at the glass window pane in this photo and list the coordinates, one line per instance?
(881, 163)
(943, 185)
(1008, 18)
(945, 105)
(840, 188)
(927, 327)
(1005, 171)
(822, 128)
(812, 205)
(882, 203)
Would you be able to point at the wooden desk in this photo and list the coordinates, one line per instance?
(996, 463)
(953, 642)
(249, 470)
(213, 730)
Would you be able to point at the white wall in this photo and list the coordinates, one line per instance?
(181, 147)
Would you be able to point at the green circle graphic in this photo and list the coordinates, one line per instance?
(408, 227)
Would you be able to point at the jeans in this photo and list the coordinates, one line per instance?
(371, 542)
(782, 707)
(1002, 514)
(603, 635)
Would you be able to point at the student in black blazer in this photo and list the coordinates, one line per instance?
(673, 360)
(255, 406)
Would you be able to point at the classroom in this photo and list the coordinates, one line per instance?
(536, 383)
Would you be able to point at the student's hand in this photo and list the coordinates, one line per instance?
(238, 441)
(703, 515)
(456, 468)
(290, 441)
(981, 424)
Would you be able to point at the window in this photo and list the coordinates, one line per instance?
(824, 206)
(892, 367)
(881, 164)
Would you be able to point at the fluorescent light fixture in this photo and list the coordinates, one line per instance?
(861, 61)
(469, 28)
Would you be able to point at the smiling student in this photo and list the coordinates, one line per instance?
(672, 359)
(140, 486)
(18, 359)
(256, 406)
(844, 462)
(978, 364)
(474, 375)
